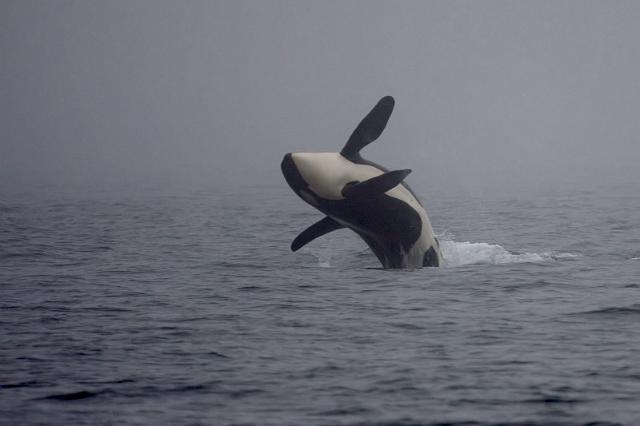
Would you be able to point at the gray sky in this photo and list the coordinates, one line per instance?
(217, 91)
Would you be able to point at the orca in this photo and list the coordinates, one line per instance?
(365, 197)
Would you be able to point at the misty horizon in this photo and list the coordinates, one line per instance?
(487, 93)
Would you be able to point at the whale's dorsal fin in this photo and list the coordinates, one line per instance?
(376, 185)
(370, 128)
(318, 229)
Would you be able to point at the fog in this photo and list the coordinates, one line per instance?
(488, 93)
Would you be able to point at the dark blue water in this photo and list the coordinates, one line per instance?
(187, 307)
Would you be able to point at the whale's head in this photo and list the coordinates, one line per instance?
(322, 175)
(333, 176)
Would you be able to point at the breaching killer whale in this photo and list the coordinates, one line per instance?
(367, 198)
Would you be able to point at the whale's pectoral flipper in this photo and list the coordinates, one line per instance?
(370, 128)
(376, 185)
(318, 229)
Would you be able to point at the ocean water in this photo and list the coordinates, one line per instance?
(187, 307)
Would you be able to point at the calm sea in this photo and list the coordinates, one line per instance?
(187, 307)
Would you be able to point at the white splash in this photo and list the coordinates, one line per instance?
(345, 249)
(457, 253)
(464, 253)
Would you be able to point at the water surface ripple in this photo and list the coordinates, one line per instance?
(189, 308)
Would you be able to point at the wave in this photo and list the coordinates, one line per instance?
(346, 250)
(456, 253)
(74, 396)
(142, 391)
(613, 311)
